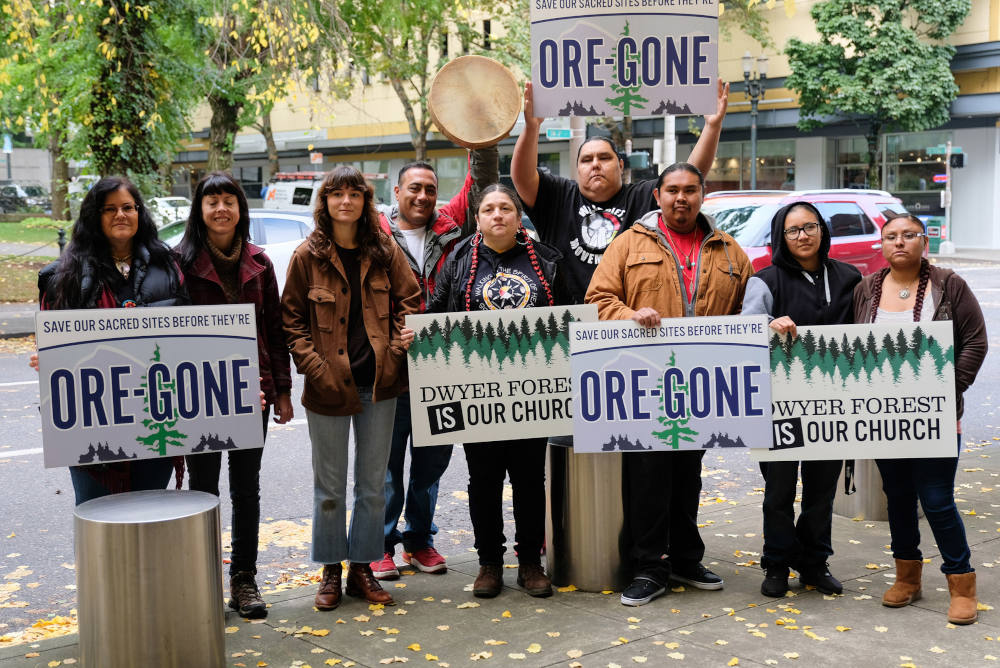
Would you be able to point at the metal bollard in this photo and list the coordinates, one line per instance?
(149, 580)
(868, 502)
(583, 526)
(62, 240)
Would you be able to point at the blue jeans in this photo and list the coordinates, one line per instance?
(932, 480)
(143, 474)
(427, 465)
(331, 542)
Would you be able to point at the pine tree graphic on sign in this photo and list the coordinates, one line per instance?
(676, 429)
(628, 97)
(163, 433)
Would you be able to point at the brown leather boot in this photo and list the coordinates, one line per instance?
(489, 582)
(361, 583)
(534, 580)
(906, 588)
(328, 596)
(964, 607)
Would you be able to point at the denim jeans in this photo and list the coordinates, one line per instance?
(244, 493)
(932, 481)
(660, 496)
(804, 544)
(489, 464)
(331, 542)
(143, 474)
(427, 465)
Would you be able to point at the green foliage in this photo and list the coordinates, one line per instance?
(504, 343)
(675, 429)
(162, 433)
(882, 62)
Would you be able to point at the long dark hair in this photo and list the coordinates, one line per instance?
(195, 237)
(521, 237)
(372, 241)
(89, 248)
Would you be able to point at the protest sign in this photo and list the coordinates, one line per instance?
(688, 384)
(492, 375)
(124, 384)
(863, 392)
(624, 57)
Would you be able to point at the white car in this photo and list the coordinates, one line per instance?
(279, 233)
(166, 210)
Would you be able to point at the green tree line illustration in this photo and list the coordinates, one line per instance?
(833, 356)
(163, 433)
(675, 430)
(505, 342)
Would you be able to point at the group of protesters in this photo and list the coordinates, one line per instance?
(640, 251)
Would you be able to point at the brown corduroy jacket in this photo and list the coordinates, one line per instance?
(639, 269)
(315, 306)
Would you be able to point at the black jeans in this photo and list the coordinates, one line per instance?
(244, 492)
(489, 464)
(932, 481)
(660, 494)
(804, 544)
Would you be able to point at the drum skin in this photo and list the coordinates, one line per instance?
(474, 101)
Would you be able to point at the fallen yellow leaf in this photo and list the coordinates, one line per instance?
(506, 614)
(414, 646)
(574, 653)
(232, 629)
(567, 588)
(534, 648)
(733, 662)
(843, 628)
(493, 642)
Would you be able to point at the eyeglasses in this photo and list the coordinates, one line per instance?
(809, 228)
(127, 209)
(907, 236)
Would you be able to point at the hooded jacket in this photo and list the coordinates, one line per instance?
(823, 297)
(640, 269)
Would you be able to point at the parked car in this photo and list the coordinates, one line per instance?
(855, 218)
(278, 232)
(166, 210)
(296, 191)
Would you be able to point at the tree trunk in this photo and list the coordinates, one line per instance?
(60, 179)
(222, 133)
(874, 177)
(273, 165)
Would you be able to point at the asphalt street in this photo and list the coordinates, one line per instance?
(37, 508)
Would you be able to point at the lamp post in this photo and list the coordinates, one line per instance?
(755, 91)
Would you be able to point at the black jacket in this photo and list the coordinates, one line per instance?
(154, 282)
(449, 290)
(785, 288)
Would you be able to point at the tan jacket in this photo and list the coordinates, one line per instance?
(639, 269)
(315, 305)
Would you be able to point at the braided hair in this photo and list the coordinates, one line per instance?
(925, 277)
(521, 237)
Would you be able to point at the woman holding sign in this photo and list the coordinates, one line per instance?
(500, 267)
(910, 289)
(803, 286)
(113, 260)
(348, 289)
(221, 266)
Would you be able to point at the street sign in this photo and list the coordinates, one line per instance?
(7, 144)
(940, 178)
(316, 158)
(559, 133)
(941, 149)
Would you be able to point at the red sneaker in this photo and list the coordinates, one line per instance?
(385, 569)
(426, 559)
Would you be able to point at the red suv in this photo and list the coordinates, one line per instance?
(855, 218)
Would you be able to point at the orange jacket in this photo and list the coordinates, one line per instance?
(639, 269)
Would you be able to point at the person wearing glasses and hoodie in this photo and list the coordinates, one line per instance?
(803, 286)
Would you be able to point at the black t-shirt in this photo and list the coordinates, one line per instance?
(359, 348)
(504, 281)
(582, 229)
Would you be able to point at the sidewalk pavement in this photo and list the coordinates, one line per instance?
(437, 621)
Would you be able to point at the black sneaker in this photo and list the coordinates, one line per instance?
(775, 582)
(698, 577)
(245, 596)
(642, 591)
(822, 580)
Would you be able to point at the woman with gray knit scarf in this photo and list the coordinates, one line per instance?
(221, 266)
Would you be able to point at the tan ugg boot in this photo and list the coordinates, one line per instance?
(906, 588)
(964, 607)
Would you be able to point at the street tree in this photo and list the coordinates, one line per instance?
(257, 52)
(882, 63)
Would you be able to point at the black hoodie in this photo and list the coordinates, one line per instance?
(785, 288)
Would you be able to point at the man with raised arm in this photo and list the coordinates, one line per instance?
(581, 217)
